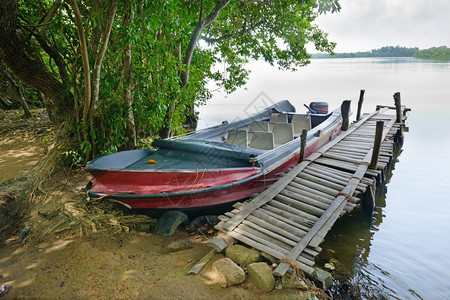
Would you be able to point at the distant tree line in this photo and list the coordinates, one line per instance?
(388, 51)
(435, 53)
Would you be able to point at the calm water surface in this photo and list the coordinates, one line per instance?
(403, 250)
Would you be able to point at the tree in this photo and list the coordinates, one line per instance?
(67, 54)
(113, 72)
(18, 89)
(436, 53)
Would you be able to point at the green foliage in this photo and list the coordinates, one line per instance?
(159, 33)
(74, 155)
(438, 54)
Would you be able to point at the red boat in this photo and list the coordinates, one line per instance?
(205, 171)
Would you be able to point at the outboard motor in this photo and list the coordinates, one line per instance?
(318, 108)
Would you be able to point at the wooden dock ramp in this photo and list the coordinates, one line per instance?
(291, 218)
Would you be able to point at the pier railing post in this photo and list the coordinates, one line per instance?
(360, 102)
(303, 145)
(398, 107)
(376, 145)
(345, 111)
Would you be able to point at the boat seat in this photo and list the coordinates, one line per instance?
(262, 140)
(259, 126)
(278, 118)
(301, 122)
(237, 137)
(283, 133)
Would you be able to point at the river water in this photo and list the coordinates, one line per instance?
(403, 250)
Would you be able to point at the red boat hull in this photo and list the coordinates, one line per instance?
(172, 179)
(159, 182)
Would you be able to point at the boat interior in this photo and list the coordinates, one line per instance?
(266, 135)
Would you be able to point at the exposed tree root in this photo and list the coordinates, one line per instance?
(48, 202)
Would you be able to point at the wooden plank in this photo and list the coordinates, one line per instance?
(223, 218)
(201, 263)
(320, 194)
(323, 203)
(334, 163)
(266, 246)
(318, 180)
(313, 210)
(302, 192)
(346, 153)
(284, 229)
(344, 174)
(285, 217)
(320, 235)
(316, 186)
(242, 230)
(331, 178)
(266, 235)
(293, 210)
(312, 191)
(331, 170)
(313, 251)
(301, 198)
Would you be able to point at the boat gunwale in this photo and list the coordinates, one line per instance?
(179, 170)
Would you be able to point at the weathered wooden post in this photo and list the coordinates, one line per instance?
(398, 107)
(302, 145)
(345, 111)
(360, 102)
(368, 199)
(376, 145)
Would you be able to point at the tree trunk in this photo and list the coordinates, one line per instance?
(31, 71)
(59, 101)
(22, 190)
(86, 69)
(127, 64)
(166, 130)
(202, 24)
(19, 90)
(92, 85)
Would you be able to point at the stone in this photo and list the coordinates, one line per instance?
(243, 256)
(179, 245)
(169, 222)
(229, 271)
(321, 278)
(296, 283)
(261, 275)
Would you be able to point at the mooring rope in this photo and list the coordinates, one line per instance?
(296, 270)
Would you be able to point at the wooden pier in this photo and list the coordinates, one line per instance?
(290, 219)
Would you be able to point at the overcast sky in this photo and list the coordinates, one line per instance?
(363, 25)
